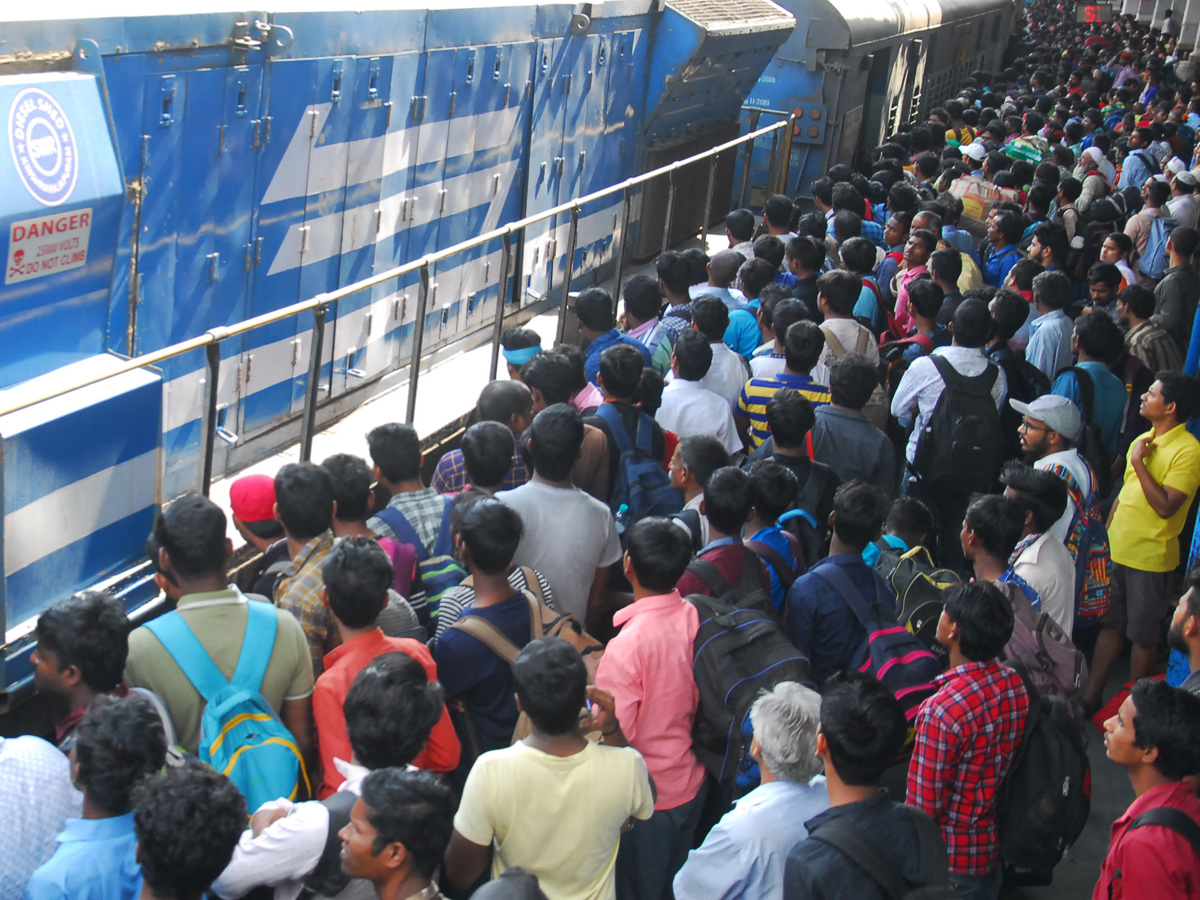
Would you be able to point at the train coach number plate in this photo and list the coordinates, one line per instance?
(47, 244)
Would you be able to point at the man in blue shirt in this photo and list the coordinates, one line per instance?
(1050, 346)
(1097, 340)
(1004, 230)
(745, 853)
(598, 323)
(818, 620)
(118, 743)
(1138, 164)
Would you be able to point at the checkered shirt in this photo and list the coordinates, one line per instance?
(967, 735)
(299, 591)
(450, 476)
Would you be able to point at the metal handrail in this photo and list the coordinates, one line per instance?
(211, 339)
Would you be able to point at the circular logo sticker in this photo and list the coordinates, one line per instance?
(43, 146)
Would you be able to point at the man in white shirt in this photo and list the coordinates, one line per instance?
(1049, 432)
(687, 406)
(1040, 558)
(728, 371)
(390, 710)
(1183, 206)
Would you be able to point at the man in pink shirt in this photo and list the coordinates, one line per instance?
(648, 670)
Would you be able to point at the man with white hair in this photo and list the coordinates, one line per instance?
(745, 853)
(1096, 174)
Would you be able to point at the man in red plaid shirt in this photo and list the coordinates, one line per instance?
(967, 735)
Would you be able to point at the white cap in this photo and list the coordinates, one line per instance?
(975, 151)
(1176, 165)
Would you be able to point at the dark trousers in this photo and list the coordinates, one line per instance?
(949, 511)
(654, 850)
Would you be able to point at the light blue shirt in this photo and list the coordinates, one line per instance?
(1108, 404)
(1133, 171)
(96, 860)
(961, 241)
(1050, 342)
(745, 853)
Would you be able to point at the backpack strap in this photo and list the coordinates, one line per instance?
(178, 639)
(691, 519)
(261, 623)
(957, 380)
(853, 843)
(785, 572)
(1174, 819)
(832, 340)
(707, 572)
(490, 636)
(799, 513)
(533, 585)
(1087, 392)
(840, 582)
(404, 531)
(863, 340)
(616, 426)
(327, 878)
(443, 545)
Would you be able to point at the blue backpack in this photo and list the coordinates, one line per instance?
(240, 734)
(642, 487)
(1154, 261)
(437, 572)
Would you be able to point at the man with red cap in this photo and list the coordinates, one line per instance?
(252, 499)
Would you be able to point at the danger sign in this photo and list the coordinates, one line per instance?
(47, 244)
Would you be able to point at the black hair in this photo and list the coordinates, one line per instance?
(803, 345)
(813, 225)
(768, 299)
(1011, 225)
(1098, 336)
(821, 189)
(1185, 240)
(778, 210)
(840, 290)
(1160, 193)
(770, 248)
(357, 574)
(925, 297)
(702, 454)
(972, 323)
(516, 338)
(846, 197)
(710, 315)
(1070, 188)
(1024, 271)
(267, 529)
(552, 374)
(414, 809)
(595, 309)
(773, 488)
(697, 261)
(192, 532)
(1167, 719)
(911, 517)
(727, 500)
(674, 272)
(847, 225)
(1010, 312)
(693, 355)
(643, 299)
(621, 369)
(648, 394)
(551, 683)
(1104, 273)
(119, 742)
(390, 710)
(1139, 299)
(858, 256)
(903, 198)
(659, 551)
(1053, 237)
(492, 530)
(864, 727)
(304, 499)
(500, 400)
(755, 275)
(859, 511)
(396, 451)
(984, 618)
(188, 821)
(790, 417)
(807, 252)
(852, 380)
(1042, 493)
(89, 631)
(786, 313)
(740, 224)
(997, 523)
(1181, 390)
(487, 452)
(351, 478)
(946, 264)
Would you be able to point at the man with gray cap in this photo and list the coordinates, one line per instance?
(1183, 206)
(1050, 433)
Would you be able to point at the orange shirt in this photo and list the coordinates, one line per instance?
(342, 664)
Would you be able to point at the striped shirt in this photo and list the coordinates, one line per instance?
(1154, 346)
(757, 393)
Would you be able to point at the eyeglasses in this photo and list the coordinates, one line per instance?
(1026, 425)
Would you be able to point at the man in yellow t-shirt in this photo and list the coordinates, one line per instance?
(554, 804)
(1161, 477)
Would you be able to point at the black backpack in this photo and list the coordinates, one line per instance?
(919, 587)
(748, 594)
(1026, 382)
(961, 447)
(857, 846)
(738, 654)
(1091, 443)
(1045, 798)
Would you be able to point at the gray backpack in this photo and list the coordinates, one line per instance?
(1055, 665)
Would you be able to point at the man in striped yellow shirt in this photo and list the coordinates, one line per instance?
(803, 345)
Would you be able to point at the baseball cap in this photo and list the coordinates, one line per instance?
(253, 498)
(975, 151)
(1059, 414)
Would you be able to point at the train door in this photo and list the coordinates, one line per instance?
(551, 82)
(876, 101)
(914, 77)
(360, 348)
(491, 84)
(298, 225)
(198, 146)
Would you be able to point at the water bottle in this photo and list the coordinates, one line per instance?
(624, 519)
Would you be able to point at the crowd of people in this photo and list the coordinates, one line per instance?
(930, 414)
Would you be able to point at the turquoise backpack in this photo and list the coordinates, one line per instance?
(240, 734)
